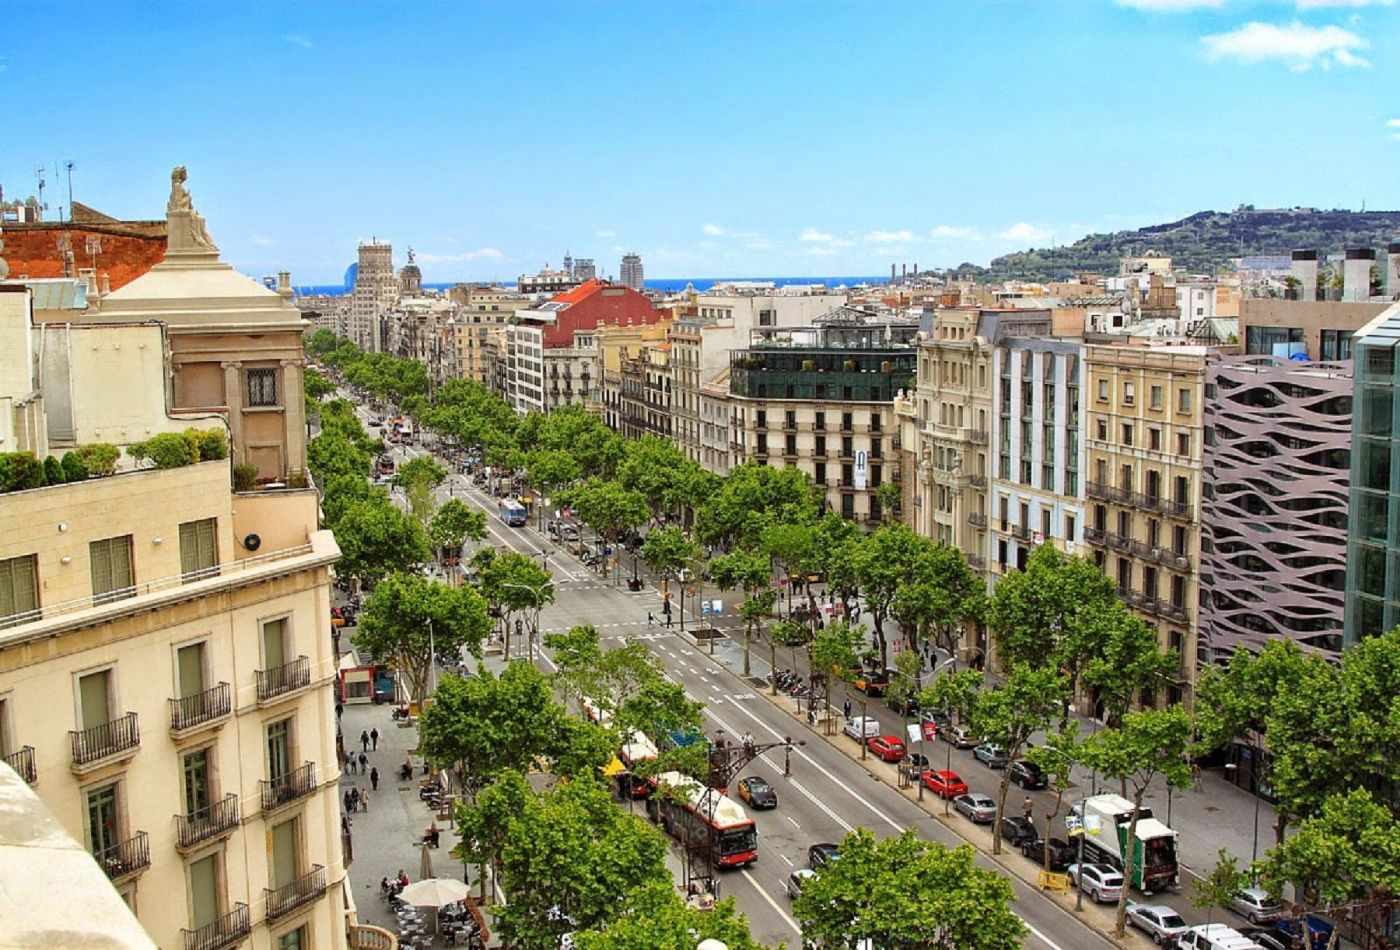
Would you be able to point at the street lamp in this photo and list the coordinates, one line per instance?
(538, 596)
(1087, 825)
(1254, 787)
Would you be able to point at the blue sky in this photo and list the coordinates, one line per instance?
(715, 139)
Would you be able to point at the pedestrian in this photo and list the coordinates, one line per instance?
(355, 798)
(1028, 808)
(364, 740)
(1196, 775)
(650, 618)
(346, 799)
(364, 761)
(846, 709)
(338, 709)
(364, 800)
(374, 778)
(374, 738)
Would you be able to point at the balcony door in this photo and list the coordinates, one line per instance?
(104, 831)
(95, 699)
(190, 664)
(279, 749)
(197, 795)
(204, 891)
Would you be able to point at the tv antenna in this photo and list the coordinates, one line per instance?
(69, 167)
(39, 173)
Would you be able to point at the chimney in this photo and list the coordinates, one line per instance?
(1305, 272)
(106, 283)
(891, 273)
(89, 277)
(1392, 270)
(1356, 273)
(284, 284)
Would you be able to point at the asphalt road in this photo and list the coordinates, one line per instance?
(826, 795)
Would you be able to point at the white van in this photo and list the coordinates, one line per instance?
(1215, 937)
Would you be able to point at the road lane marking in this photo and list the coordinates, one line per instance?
(793, 820)
(789, 863)
(772, 903)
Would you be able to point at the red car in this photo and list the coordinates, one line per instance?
(889, 748)
(944, 784)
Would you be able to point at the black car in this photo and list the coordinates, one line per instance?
(1028, 775)
(820, 855)
(757, 792)
(908, 706)
(1062, 853)
(914, 765)
(1017, 830)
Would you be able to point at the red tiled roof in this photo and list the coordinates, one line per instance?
(596, 303)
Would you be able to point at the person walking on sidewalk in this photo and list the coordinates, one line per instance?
(374, 778)
(364, 740)
(846, 709)
(1028, 808)
(374, 738)
(364, 800)
(364, 763)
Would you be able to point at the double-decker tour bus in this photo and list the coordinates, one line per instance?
(636, 750)
(705, 820)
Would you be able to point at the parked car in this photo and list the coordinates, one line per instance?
(1158, 921)
(944, 784)
(1215, 937)
(1319, 928)
(820, 855)
(888, 748)
(1062, 853)
(915, 765)
(960, 736)
(1028, 775)
(1099, 881)
(872, 684)
(1270, 939)
(755, 790)
(861, 728)
(940, 719)
(797, 880)
(1255, 905)
(991, 755)
(1016, 829)
(980, 808)
(908, 706)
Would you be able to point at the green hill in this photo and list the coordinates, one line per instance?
(1205, 243)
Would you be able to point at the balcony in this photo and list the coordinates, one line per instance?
(1098, 490)
(202, 710)
(1168, 610)
(976, 520)
(897, 476)
(105, 743)
(283, 900)
(22, 761)
(228, 930)
(1118, 542)
(126, 859)
(977, 436)
(977, 481)
(211, 822)
(897, 443)
(1020, 532)
(1093, 535)
(281, 680)
(976, 561)
(295, 785)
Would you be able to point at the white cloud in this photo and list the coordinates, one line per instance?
(1170, 6)
(605, 233)
(949, 231)
(813, 235)
(759, 245)
(820, 251)
(296, 39)
(1392, 123)
(1299, 47)
(712, 230)
(481, 253)
(1026, 232)
(262, 240)
(888, 237)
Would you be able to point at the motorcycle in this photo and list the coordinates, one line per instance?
(400, 712)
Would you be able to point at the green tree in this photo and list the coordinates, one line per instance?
(1129, 662)
(483, 821)
(1011, 712)
(656, 469)
(517, 585)
(888, 495)
(1056, 757)
(377, 539)
(1220, 886)
(608, 509)
(793, 550)
(753, 498)
(577, 657)
(907, 892)
(956, 694)
(667, 550)
(418, 477)
(882, 567)
(550, 470)
(1147, 744)
(408, 615)
(572, 860)
(657, 917)
(749, 572)
(454, 522)
(486, 725)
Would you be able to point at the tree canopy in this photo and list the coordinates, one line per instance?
(408, 615)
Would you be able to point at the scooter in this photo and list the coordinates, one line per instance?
(400, 712)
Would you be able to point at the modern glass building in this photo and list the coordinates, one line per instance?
(1373, 555)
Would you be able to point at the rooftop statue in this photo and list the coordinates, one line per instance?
(187, 231)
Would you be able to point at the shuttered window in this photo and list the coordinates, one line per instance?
(19, 590)
(111, 569)
(199, 557)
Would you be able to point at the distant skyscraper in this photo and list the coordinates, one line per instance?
(584, 269)
(376, 287)
(631, 275)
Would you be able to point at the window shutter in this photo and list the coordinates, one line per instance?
(121, 562)
(189, 548)
(25, 585)
(208, 553)
(100, 554)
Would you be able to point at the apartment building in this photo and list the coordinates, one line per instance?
(821, 398)
(1144, 417)
(552, 350)
(1373, 533)
(635, 395)
(165, 678)
(483, 313)
(1320, 313)
(1037, 491)
(1276, 470)
(421, 328)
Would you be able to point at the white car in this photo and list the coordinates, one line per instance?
(1099, 881)
(797, 880)
(861, 728)
(1158, 921)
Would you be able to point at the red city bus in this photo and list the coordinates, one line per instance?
(702, 817)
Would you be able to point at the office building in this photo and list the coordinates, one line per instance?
(376, 289)
(630, 274)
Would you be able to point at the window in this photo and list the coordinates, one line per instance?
(821, 445)
(820, 476)
(1070, 526)
(1154, 439)
(204, 892)
(1183, 400)
(1103, 390)
(197, 795)
(284, 863)
(111, 569)
(762, 447)
(847, 447)
(1183, 443)
(790, 419)
(1045, 523)
(876, 448)
(103, 819)
(846, 425)
(1179, 541)
(274, 643)
(95, 703)
(1127, 433)
(848, 506)
(189, 667)
(790, 445)
(820, 423)
(279, 748)
(1155, 397)
(199, 554)
(1183, 490)
(875, 476)
(874, 422)
(1129, 393)
(262, 387)
(846, 475)
(19, 590)
(760, 419)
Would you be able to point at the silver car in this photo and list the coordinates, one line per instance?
(1255, 904)
(1099, 881)
(1158, 921)
(797, 880)
(980, 808)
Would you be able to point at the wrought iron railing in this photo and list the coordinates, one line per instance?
(296, 784)
(284, 679)
(190, 711)
(287, 898)
(208, 822)
(977, 519)
(228, 930)
(22, 761)
(125, 858)
(104, 739)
